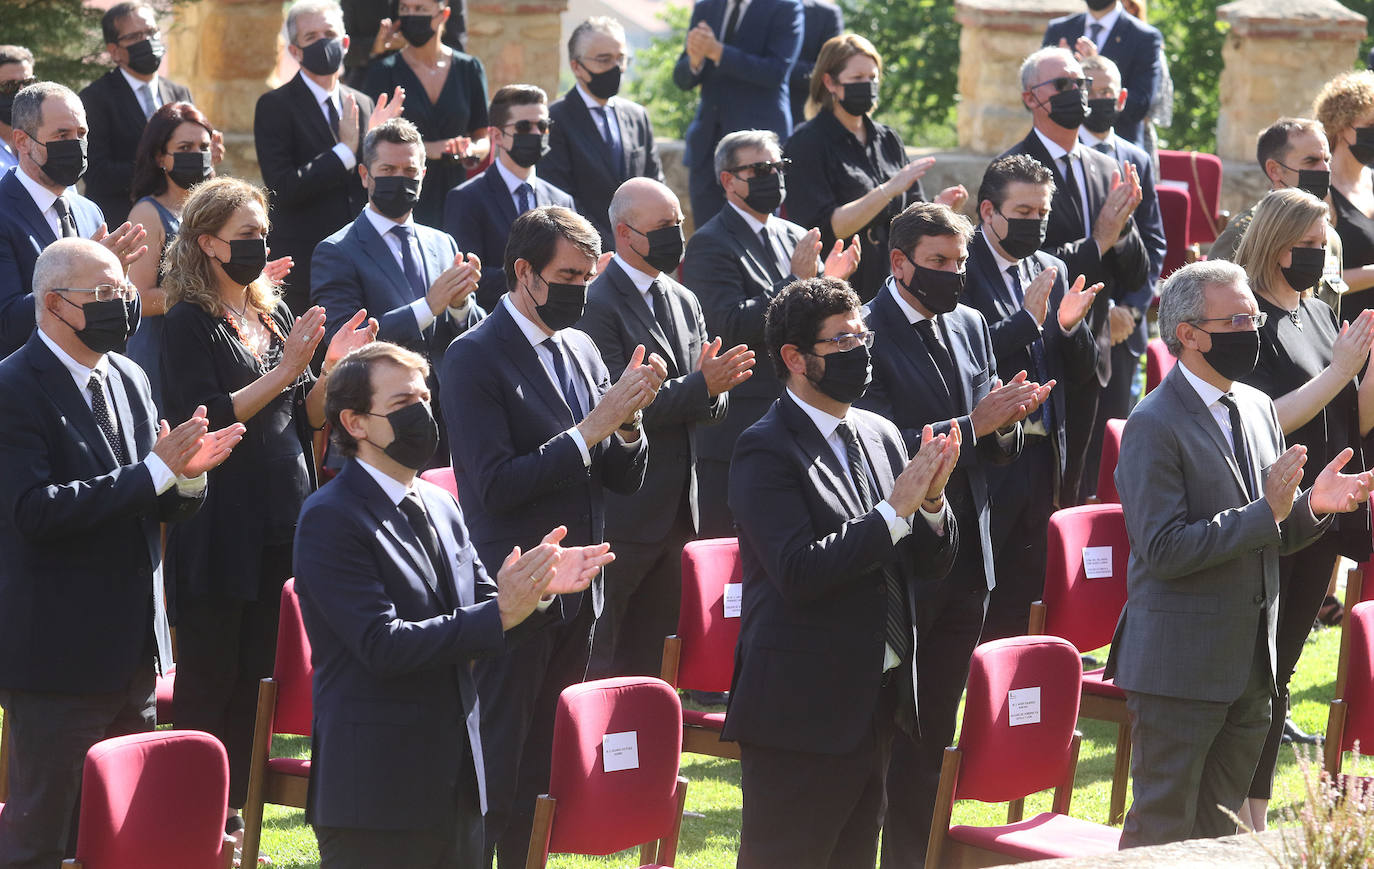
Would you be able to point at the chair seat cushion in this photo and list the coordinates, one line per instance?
(697, 718)
(1045, 836)
(1093, 683)
(290, 766)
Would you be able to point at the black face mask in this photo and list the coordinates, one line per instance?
(323, 56)
(527, 148)
(415, 435)
(766, 192)
(1363, 149)
(1101, 115)
(1099, 5)
(417, 29)
(108, 325)
(1024, 235)
(937, 290)
(562, 306)
(1233, 354)
(189, 168)
(66, 161)
(847, 375)
(7, 110)
(604, 85)
(247, 259)
(145, 56)
(1309, 264)
(1314, 181)
(859, 97)
(395, 195)
(1069, 108)
(665, 247)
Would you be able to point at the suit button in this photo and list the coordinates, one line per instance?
(1259, 598)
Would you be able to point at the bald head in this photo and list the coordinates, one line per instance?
(640, 206)
(638, 196)
(73, 262)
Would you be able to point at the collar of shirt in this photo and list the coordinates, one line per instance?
(1057, 153)
(532, 333)
(1107, 21)
(42, 196)
(135, 84)
(592, 104)
(748, 218)
(638, 278)
(912, 315)
(1205, 391)
(1092, 140)
(393, 488)
(384, 224)
(80, 373)
(512, 180)
(743, 7)
(825, 423)
(1002, 262)
(321, 94)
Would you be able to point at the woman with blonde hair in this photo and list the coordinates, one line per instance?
(1345, 107)
(1316, 370)
(230, 344)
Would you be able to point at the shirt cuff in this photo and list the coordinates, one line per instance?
(544, 603)
(581, 446)
(192, 485)
(424, 315)
(1005, 440)
(346, 155)
(163, 478)
(896, 525)
(461, 312)
(936, 521)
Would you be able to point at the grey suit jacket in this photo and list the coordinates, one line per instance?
(1204, 566)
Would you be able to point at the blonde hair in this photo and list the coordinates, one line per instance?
(1343, 101)
(1281, 219)
(835, 54)
(191, 275)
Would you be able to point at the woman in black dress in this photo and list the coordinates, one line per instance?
(853, 172)
(446, 98)
(1345, 108)
(231, 345)
(1316, 371)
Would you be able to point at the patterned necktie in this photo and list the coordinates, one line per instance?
(564, 376)
(145, 99)
(524, 197)
(64, 217)
(412, 269)
(100, 408)
(1037, 351)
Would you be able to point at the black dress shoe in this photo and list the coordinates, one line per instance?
(1292, 734)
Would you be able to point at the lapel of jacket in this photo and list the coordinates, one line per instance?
(58, 384)
(312, 112)
(632, 301)
(460, 588)
(434, 264)
(751, 245)
(981, 258)
(26, 208)
(1098, 176)
(876, 453)
(821, 456)
(123, 410)
(395, 524)
(629, 136)
(1202, 417)
(896, 331)
(752, 25)
(500, 194)
(1066, 209)
(957, 342)
(132, 109)
(166, 93)
(584, 127)
(527, 362)
(375, 248)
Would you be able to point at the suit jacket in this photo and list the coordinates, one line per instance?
(579, 162)
(24, 232)
(1203, 576)
(478, 214)
(808, 666)
(725, 265)
(821, 20)
(1151, 225)
(392, 644)
(518, 468)
(81, 581)
(748, 90)
(1134, 47)
(906, 390)
(116, 121)
(617, 320)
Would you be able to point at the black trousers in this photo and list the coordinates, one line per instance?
(713, 492)
(458, 846)
(48, 740)
(225, 646)
(1113, 403)
(1021, 501)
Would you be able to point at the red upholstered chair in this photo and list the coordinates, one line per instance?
(443, 478)
(4, 760)
(1202, 173)
(155, 801)
(1351, 718)
(590, 810)
(1106, 472)
(701, 656)
(284, 706)
(1174, 206)
(1084, 612)
(1158, 363)
(166, 684)
(1010, 746)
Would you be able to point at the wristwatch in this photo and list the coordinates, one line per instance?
(635, 424)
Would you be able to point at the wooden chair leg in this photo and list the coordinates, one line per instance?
(71, 863)
(944, 807)
(1354, 588)
(1036, 623)
(667, 846)
(1335, 735)
(1121, 774)
(5, 760)
(672, 655)
(226, 847)
(538, 855)
(1016, 810)
(257, 771)
(1063, 794)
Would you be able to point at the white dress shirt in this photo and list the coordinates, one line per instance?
(513, 183)
(44, 199)
(424, 315)
(1211, 398)
(609, 108)
(344, 151)
(783, 258)
(1076, 160)
(135, 85)
(641, 280)
(537, 339)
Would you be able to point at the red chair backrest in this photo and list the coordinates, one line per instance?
(1202, 173)
(293, 671)
(1081, 610)
(1003, 761)
(1158, 363)
(708, 637)
(154, 801)
(1359, 682)
(603, 812)
(1106, 472)
(1175, 206)
(443, 478)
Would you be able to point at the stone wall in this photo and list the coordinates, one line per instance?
(517, 41)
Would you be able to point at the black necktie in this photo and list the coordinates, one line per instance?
(1104, 148)
(938, 354)
(898, 624)
(665, 318)
(770, 254)
(1071, 188)
(1239, 447)
(1094, 31)
(564, 376)
(524, 197)
(732, 23)
(408, 264)
(415, 514)
(603, 122)
(100, 408)
(64, 217)
(1036, 348)
(333, 115)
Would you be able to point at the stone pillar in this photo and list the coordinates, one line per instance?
(997, 35)
(517, 41)
(1277, 56)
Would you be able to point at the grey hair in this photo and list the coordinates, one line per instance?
(597, 24)
(1106, 65)
(16, 54)
(397, 131)
(1183, 298)
(59, 261)
(1030, 65)
(738, 141)
(28, 105)
(328, 8)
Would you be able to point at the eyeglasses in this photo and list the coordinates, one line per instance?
(606, 61)
(105, 292)
(542, 125)
(15, 85)
(1237, 321)
(1066, 83)
(129, 39)
(851, 340)
(762, 168)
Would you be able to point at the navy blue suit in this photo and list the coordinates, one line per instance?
(478, 214)
(1134, 47)
(747, 91)
(24, 232)
(823, 20)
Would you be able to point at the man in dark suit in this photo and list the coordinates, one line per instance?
(308, 135)
(479, 212)
(1211, 501)
(633, 303)
(39, 205)
(741, 52)
(397, 606)
(119, 103)
(1035, 319)
(538, 435)
(834, 555)
(89, 475)
(736, 263)
(822, 20)
(16, 72)
(1090, 224)
(598, 139)
(933, 364)
(1131, 43)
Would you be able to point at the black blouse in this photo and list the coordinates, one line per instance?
(831, 169)
(253, 498)
(1357, 249)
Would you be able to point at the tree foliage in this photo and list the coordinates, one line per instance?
(64, 36)
(650, 81)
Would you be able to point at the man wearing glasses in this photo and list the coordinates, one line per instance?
(736, 263)
(479, 212)
(16, 73)
(1210, 496)
(119, 103)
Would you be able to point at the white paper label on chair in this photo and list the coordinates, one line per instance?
(621, 750)
(734, 599)
(1023, 706)
(1097, 562)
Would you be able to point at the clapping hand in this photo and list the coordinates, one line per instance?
(126, 242)
(842, 261)
(546, 569)
(949, 458)
(190, 449)
(1076, 304)
(351, 335)
(725, 371)
(1334, 492)
(954, 197)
